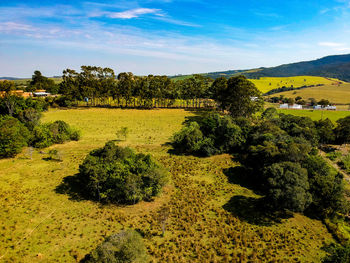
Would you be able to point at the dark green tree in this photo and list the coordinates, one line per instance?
(287, 186)
(240, 97)
(119, 175)
(342, 131)
(13, 136)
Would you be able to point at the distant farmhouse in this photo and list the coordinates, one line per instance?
(21, 93)
(299, 107)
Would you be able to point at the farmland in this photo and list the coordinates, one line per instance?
(266, 84)
(212, 215)
(337, 94)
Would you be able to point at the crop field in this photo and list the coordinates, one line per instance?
(337, 94)
(266, 84)
(212, 214)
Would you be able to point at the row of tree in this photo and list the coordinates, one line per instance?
(130, 90)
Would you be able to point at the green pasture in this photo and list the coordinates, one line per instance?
(212, 214)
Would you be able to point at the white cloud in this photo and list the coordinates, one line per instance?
(134, 13)
(12, 26)
(330, 44)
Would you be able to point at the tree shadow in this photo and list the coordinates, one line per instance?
(243, 177)
(254, 211)
(71, 186)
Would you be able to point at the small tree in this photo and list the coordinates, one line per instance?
(119, 175)
(126, 246)
(123, 133)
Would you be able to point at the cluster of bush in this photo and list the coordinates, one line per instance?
(125, 246)
(114, 174)
(20, 126)
(280, 155)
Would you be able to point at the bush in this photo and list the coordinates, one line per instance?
(326, 187)
(57, 132)
(119, 175)
(344, 163)
(337, 254)
(287, 186)
(342, 131)
(334, 155)
(126, 246)
(189, 139)
(13, 136)
(211, 135)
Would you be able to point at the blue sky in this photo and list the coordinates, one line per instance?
(168, 36)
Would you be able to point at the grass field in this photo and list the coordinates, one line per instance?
(337, 94)
(212, 218)
(25, 81)
(317, 114)
(268, 83)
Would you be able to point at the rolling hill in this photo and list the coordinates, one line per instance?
(337, 66)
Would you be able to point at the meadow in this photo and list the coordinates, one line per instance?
(317, 114)
(212, 215)
(336, 94)
(266, 84)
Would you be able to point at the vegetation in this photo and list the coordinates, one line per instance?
(213, 213)
(13, 136)
(119, 175)
(279, 151)
(238, 96)
(337, 254)
(337, 92)
(20, 125)
(124, 247)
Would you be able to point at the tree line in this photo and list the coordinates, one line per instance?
(128, 90)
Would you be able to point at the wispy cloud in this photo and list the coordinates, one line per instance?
(134, 13)
(12, 26)
(330, 44)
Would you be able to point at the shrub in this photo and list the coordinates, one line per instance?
(13, 136)
(57, 132)
(287, 186)
(123, 132)
(334, 155)
(326, 187)
(125, 246)
(344, 163)
(189, 139)
(119, 175)
(342, 131)
(211, 135)
(337, 254)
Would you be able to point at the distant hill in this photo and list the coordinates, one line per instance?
(332, 67)
(9, 78)
(337, 67)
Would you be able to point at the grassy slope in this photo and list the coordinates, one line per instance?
(199, 228)
(263, 84)
(317, 114)
(25, 81)
(334, 93)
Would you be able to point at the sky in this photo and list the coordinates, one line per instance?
(168, 36)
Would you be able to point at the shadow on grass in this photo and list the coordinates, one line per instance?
(243, 177)
(71, 186)
(253, 210)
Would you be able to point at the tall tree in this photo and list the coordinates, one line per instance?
(239, 97)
